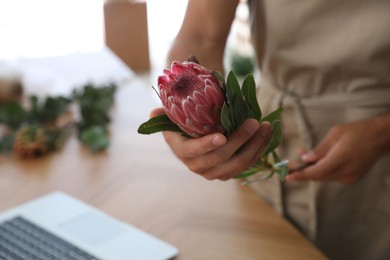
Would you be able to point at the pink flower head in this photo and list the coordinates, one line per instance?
(192, 98)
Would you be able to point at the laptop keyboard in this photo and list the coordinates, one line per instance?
(21, 239)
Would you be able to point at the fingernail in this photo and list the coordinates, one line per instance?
(218, 140)
(310, 156)
(252, 126)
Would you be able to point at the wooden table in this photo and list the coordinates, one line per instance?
(138, 180)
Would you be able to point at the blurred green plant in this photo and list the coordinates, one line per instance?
(242, 65)
(94, 103)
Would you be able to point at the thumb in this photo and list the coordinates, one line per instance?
(320, 150)
(156, 112)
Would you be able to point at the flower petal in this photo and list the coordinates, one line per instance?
(167, 72)
(213, 95)
(204, 77)
(199, 98)
(199, 68)
(216, 113)
(190, 131)
(189, 109)
(162, 80)
(170, 102)
(163, 96)
(178, 68)
(192, 98)
(178, 115)
(204, 115)
(194, 126)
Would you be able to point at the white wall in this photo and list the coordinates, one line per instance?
(40, 28)
(164, 21)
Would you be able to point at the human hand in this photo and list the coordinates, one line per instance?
(346, 153)
(216, 157)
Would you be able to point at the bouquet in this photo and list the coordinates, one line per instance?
(198, 102)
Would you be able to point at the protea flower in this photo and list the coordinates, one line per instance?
(30, 141)
(192, 98)
(199, 102)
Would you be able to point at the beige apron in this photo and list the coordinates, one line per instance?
(327, 62)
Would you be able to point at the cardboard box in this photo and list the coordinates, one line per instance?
(126, 32)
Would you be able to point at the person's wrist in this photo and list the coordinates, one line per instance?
(381, 136)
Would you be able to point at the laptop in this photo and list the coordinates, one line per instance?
(58, 226)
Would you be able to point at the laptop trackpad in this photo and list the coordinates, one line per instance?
(92, 228)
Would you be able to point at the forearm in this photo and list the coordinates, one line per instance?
(382, 129)
(209, 54)
(204, 31)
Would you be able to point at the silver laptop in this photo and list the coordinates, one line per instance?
(57, 226)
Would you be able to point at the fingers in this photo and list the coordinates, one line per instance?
(187, 148)
(205, 162)
(259, 143)
(325, 161)
(330, 167)
(241, 136)
(251, 151)
(324, 170)
(216, 157)
(243, 156)
(294, 165)
(156, 112)
(322, 148)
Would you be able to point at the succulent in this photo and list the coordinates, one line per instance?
(30, 141)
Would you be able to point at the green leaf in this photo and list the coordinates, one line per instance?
(47, 111)
(233, 91)
(275, 138)
(275, 115)
(233, 87)
(56, 137)
(12, 114)
(218, 75)
(6, 143)
(241, 110)
(249, 93)
(36, 110)
(95, 137)
(247, 173)
(94, 104)
(157, 124)
(275, 156)
(54, 107)
(226, 119)
(258, 167)
(261, 178)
